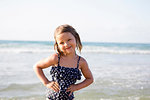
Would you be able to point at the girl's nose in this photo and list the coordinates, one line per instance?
(66, 44)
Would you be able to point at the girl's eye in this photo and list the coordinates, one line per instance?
(61, 42)
(69, 39)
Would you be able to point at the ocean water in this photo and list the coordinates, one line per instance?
(121, 70)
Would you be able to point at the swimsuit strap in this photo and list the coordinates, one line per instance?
(78, 62)
(58, 59)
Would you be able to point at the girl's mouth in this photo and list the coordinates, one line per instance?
(68, 47)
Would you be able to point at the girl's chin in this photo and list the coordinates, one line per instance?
(69, 51)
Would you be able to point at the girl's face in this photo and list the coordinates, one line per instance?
(66, 42)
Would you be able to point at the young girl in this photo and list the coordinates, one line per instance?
(66, 66)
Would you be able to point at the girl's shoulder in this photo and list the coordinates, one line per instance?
(53, 58)
(48, 61)
(82, 61)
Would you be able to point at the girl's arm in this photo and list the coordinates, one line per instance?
(86, 73)
(49, 61)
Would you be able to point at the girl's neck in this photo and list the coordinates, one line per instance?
(72, 55)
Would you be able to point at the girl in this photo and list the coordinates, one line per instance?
(66, 66)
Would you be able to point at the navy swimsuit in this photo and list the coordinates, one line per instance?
(65, 76)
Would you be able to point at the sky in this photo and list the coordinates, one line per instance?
(95, 20)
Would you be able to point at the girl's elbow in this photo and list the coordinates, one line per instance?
(92, 80)
(35, 67)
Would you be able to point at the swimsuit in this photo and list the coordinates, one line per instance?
(65, 76)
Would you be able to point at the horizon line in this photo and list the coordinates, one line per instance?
(82, 41)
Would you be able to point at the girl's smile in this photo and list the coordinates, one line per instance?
(68, 47)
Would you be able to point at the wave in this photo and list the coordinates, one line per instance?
(115, 50)
(32, 97)
(95, 92)
(46, 47)
(23, 87)
(19, 91)
(25, 50)
(103, 50)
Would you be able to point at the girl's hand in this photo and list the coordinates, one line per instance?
(53, 85)
(71, 89)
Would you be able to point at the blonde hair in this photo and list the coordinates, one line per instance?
(67, 28)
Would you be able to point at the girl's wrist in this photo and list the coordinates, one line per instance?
(76, 87)
(45, 83)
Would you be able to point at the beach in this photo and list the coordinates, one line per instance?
(121, 70)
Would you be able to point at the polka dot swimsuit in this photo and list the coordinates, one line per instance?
(65, 76)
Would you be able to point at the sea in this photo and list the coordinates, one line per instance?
(121, 71)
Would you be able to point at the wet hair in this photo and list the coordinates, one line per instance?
(67, 28)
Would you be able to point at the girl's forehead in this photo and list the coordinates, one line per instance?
(64, 35)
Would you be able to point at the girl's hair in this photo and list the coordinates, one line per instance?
(67, 28)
